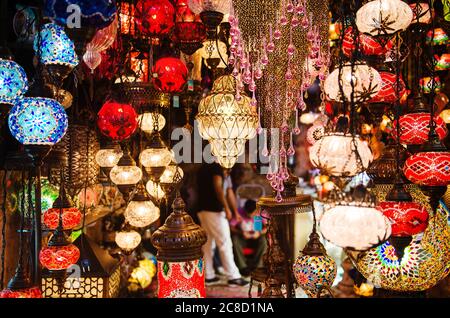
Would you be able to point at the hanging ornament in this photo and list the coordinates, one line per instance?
(154, 18)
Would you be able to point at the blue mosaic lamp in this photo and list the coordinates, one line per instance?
(13, 82)
(94, 13)
(54, 47)
(38, 121)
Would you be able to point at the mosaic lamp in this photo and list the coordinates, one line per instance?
(13, 82)
(62, 207)
(107, 157)
(128, 240)
(155, 190)
(155, 157)
(313, 269)
(94, 13)
(383, 17)
(407, 218)
(38, 121)
(354, 222)
(125, 175)
(147, 121)
(340, 154)
(359, 80)
(141, 211)
(56, 52)
(179, 241)
(415, 126)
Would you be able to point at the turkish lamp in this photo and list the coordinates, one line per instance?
(408, 218)
(125, 175)
(155, 190)
(108, 157)
(313, 269)
(156, 157)
(354, 223)
(171, 177)
(141, 211)
(147, 121)
(384, 17)
(180, 259)
(128, 240)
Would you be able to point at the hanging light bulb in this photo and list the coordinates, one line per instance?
(141, 211)
(156, 157)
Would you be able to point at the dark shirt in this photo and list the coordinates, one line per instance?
(207, 197)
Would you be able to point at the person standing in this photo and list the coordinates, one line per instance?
(214, 214)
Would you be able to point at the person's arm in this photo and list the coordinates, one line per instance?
(231, 198)
(218, 187)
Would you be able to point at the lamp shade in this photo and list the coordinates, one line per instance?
(388, 89)
(366, 83)
(128, 240)
(383, 17)
(108, 157)
(427, 84)
(354, 227)
(141, 211)
(147, 121)
(54, 47)
(428, 168)
(155, 190)
(313, 268)
(367, 44)
(71, 218)
(56, 258)
(414, 128)
(407, 218)
(168, 175)
(442, 62)
(189, 31)
(38, 121)
(340, 154)
(13, 82)
(125, 175)
(226, 121)
(117, 121)
(169, 75)
(154, 17)
(93, 13)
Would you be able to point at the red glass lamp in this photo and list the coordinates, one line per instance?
(367, 44)
(408, 218)
(154, 18)
(430, 168)
(388, 91)
(59, 258)
(169, 75)
(415, 126)
(117, 121)
(189, 31)
(62, 207)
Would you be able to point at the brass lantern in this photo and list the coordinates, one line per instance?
(179, 242)
(227, 120)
